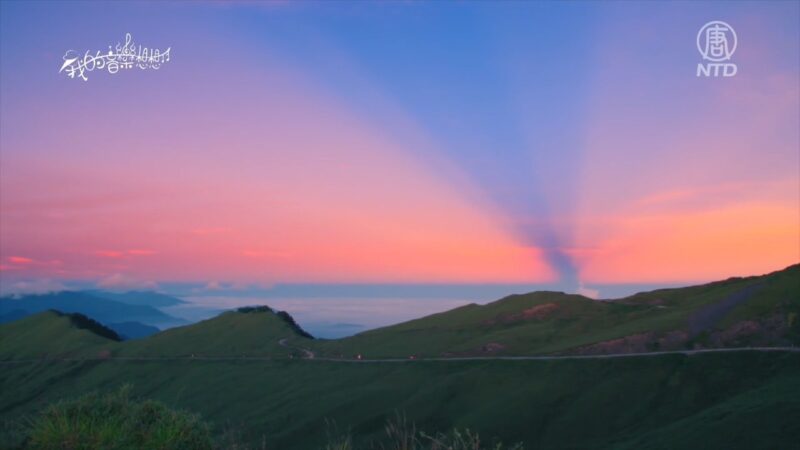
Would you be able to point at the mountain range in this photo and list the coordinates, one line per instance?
(707, 366)
(131, 314)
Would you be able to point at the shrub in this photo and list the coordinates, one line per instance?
(401, 434)
(116, 421)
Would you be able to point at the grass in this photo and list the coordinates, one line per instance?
(52, 334)
(725, 400)
(570, 322)
(555, 323)
(116, 421)
(253, 332)
(597, 404)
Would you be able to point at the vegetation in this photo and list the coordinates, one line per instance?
(86, 323)
(252, 332)
(52, 334)
(722, 400)
(401, 434)
(554, 322)
(116, 421)
(713, 399)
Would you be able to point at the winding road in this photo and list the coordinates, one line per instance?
(310, 356)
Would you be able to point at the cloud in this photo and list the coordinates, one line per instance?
(213, 286)
(587, 292)
(117, 254)
(109, 253)
(142, 252)
(122, 282)
(19, 260)
(23, 287)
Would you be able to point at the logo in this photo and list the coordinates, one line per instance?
(121, 57)
(716, 42)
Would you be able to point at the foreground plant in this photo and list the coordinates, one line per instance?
(402, 434)
(116, 421)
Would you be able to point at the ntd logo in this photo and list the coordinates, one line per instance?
(716, 42)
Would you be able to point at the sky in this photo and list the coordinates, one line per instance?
(511, 145)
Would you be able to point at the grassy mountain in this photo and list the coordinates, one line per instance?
(760, 310)
(55, 334)
(724, 400)
(99, 308)
(752, 311)
(247, 331)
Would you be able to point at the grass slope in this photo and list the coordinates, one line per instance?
(254, 332)
(553, 322)
(743, 400)
(54, 334)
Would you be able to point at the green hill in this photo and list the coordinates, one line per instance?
(253, 331)
(56, 335)
(757, 311)
(738, 312)
(720, 400)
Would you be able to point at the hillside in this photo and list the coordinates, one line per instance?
(758, 311)
(738, 312)
(247, 331)
(56, 335)
(726, 401)
(719, 400)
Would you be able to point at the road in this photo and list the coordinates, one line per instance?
(312, 357)
(309, 354)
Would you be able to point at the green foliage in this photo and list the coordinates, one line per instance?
(402, 434)
(231, 334)
(581, 404)
(116, 421)
(51, 334)
(87, 323)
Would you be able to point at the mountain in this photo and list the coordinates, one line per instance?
(253, 331)
(753, 311)
(148, 298)
(55, 334)
(99, 308)
(738, 312)
(133, 330)
(726, 400)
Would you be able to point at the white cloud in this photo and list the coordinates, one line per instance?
(24, 287)
(122, 282)
(587, 292)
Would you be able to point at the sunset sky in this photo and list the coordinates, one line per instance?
(566, 144)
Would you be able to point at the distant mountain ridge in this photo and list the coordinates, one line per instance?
(737, 312)
(148, 298)
(132, 314)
